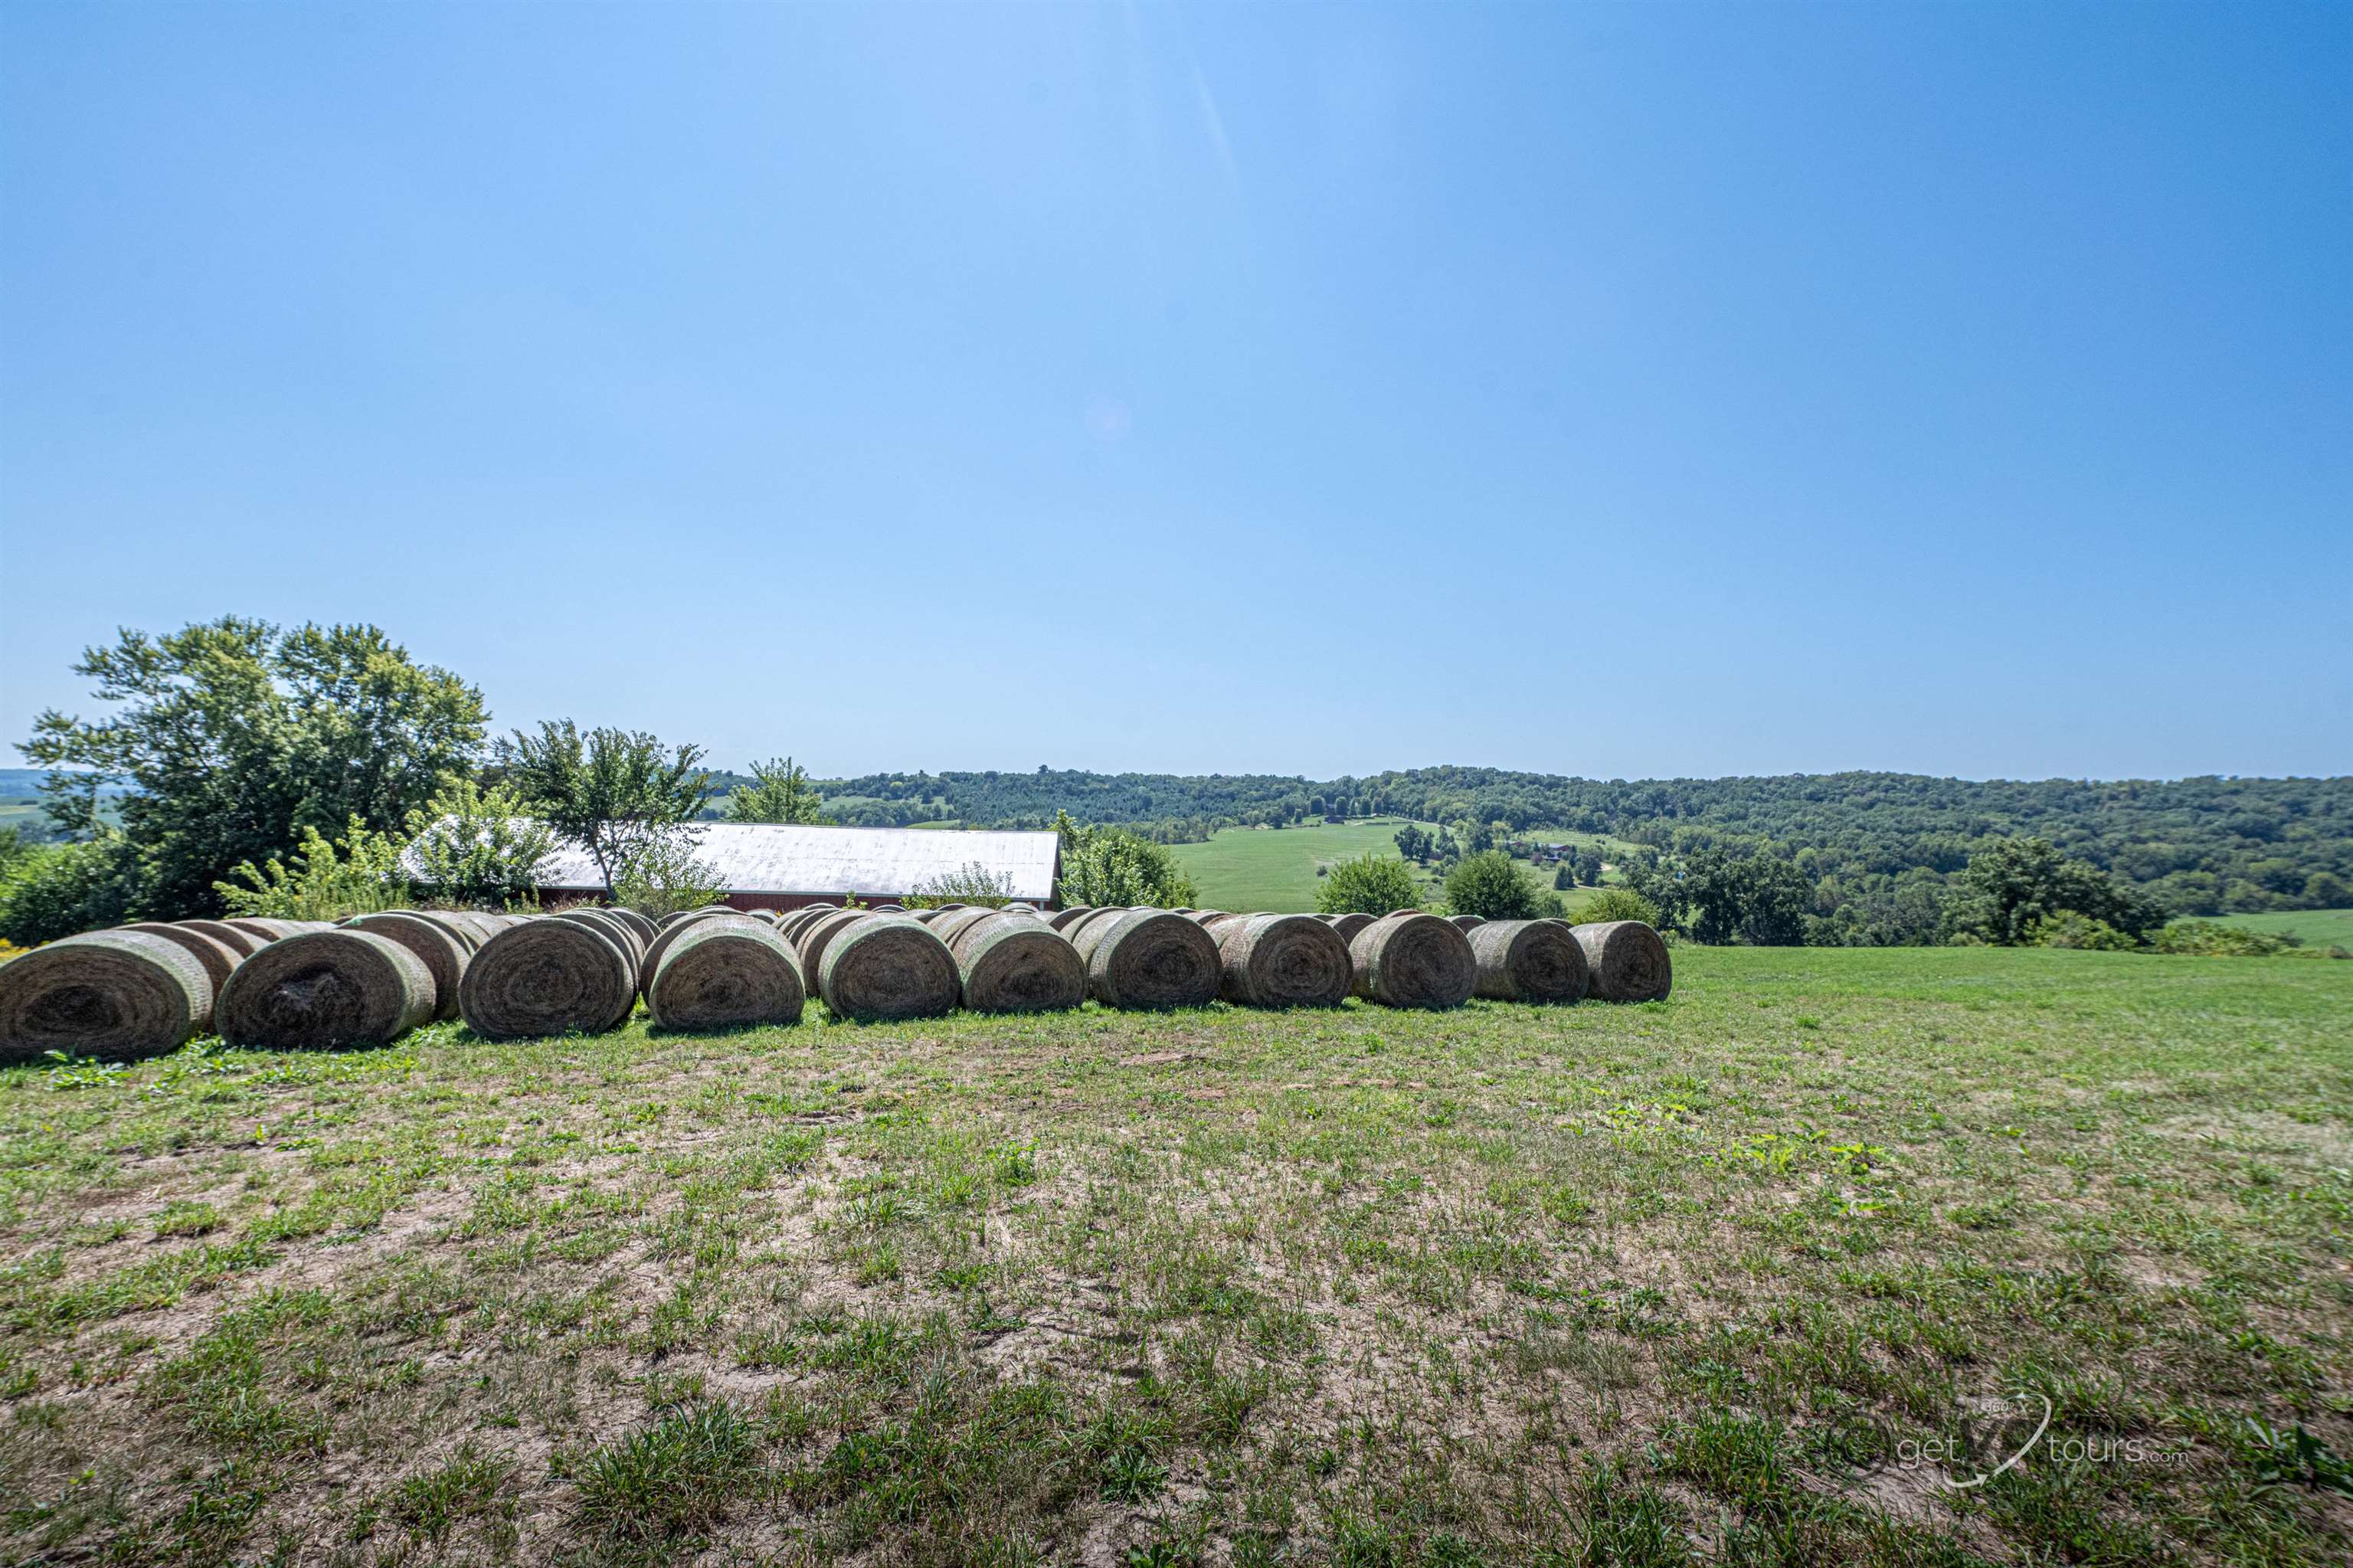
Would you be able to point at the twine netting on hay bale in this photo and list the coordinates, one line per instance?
(1348, 924)
(1017, 963)
(437, 947)
(217, 957)
(1281, 960)
(819, 935)
(547, 977)
(1528, 961)
(721, 974)
(1064, 919)
(1412, 959)
(639, 926)
(116, 994)
(955, 921)
(325, 989)
(620, 934)
(669, 935)
(1627, 961)
(242, 943)
(1150, 959)
(465, 933)
(886, 966)
(1083, 933)
(278, 931)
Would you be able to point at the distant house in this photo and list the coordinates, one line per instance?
(771, 866)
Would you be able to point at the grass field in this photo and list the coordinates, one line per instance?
(1274, 868)
(1689, 1281)
(2318, 927)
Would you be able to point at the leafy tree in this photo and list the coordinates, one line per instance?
(1564, 879)
(1413, 842)
(478, 848)
(1107, 866)
(779, 792)
(322, 883)
(1618, 903)
(235, 737)
(975, 884)
(2013, 884)
(2070, 930)
(1489, 886)
(612, 791)
(1371, 885)
(62, 889)
(659, 873)
(1758, 899)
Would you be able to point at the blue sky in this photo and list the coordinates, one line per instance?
(1625, 391)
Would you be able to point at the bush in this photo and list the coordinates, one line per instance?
(61, 890)
(321, 885)
(1374, 885)
(2212, 939)
(479, 849)
(1115, 866)
(2069, 929)
(976, 885)
(657, 874)
(1618, 903)
(1489, 886)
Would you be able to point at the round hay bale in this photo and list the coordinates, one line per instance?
(1282, 960)
(1528, 961)
(477, 927)
(1627, 961)
(325, 988)
(237, 939)
(1017, 963)
(890, 909)
(720, 974)
(926, 916)
(466, 935)
(1412, 959)
(639, 926)
(953, 923)
(669, 936)
(437, 947)
(819, 935)
(1466, 922)
(1348, 924)
(791, 927)
(545, 977)
(1202, 917)
(1063, 919)
(278, 931)
(1084, 933)
(120, 995)
(217, 957)
(1151, 959)
(887, 966)
(621, 935)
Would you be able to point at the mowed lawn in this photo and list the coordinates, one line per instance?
(1275, 868)
(1702, 1280)
(2318, 927)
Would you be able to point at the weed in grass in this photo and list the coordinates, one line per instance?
(679, 1474)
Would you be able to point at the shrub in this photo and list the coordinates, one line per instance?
(1489, 886)
(657, 874)
(321, 885)
(2212, 939)
(1115, 866)
(975, 884)
(1374, 885)
(2070, 930)
(1618, 903)
(478, 848)
(60, 890)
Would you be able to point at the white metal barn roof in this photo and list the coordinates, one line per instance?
(867, 861)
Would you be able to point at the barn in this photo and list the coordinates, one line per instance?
(773, 866)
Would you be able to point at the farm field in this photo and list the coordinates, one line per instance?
(1274, 868)
(2318, 927)
(1687, 1281)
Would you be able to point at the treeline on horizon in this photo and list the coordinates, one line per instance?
(2199, 846)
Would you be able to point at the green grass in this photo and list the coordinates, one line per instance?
(1275, 868)
(2318, 927)
(1683, 1282)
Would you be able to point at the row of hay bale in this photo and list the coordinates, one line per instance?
(145, 988)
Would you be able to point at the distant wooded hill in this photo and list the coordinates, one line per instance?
(2201, 844)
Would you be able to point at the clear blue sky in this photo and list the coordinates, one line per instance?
(1631, 391)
